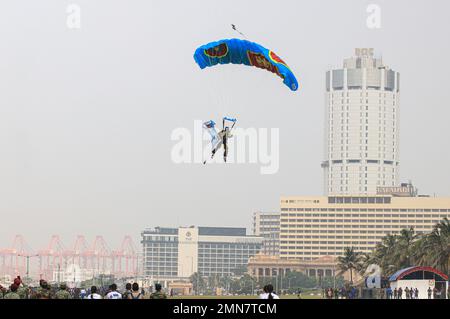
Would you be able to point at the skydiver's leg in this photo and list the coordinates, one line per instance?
(219, 145)
(225, 152)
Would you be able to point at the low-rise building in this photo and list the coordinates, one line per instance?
(271, 266)
(177, 253)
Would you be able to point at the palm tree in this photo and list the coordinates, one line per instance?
(365, 261)
(403, 256)
(421, 250)
(384, 252)
(349, 261)
(408, 248)
(438, 246)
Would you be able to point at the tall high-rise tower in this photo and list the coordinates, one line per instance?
(361, 126)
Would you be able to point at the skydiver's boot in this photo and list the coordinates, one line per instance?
(225, 152)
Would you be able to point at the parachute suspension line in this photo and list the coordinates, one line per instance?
(220, 84)
(210, 88)
(216, 90)
(215, 87)
(225, 75)
(234, 123)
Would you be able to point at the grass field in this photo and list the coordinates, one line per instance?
(303, 296)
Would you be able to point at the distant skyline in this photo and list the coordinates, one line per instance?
(87, 114)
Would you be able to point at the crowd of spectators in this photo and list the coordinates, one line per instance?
(18, 290)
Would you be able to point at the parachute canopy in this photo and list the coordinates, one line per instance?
(229, 119)
(237, 51)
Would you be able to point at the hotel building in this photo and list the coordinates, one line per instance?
(177, 253)
(361, 126)
(311, 227)
(361, 173)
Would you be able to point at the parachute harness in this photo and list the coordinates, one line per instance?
(216, 139)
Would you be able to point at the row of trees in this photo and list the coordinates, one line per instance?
(292, 282)
(394, 252)
(406, 249)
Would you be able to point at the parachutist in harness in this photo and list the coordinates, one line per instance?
(223, 135)
(221, 138)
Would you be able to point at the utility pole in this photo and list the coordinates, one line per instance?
(28, 262)
(281, 280)
(253, 291)
(320, 280)
(198, 279)
(334, 276)
(276, 284)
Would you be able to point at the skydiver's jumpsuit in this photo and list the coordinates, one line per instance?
(224, 135)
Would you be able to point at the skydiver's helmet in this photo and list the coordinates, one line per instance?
(227, 128)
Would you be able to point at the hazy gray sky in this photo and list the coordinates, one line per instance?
(86, 115)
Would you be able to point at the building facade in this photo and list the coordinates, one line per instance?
(267, 226)
(311, 227)
(271, 266)
(361, 126)
(174, 253)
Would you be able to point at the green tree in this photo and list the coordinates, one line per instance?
(240, 271)
(383, 254)
(292, 281)
(225, 282)
(246, 284)
(198, 283)
(436, 247)
(421, 251)
(365, 261)
(332, 282)
(350, 261)
(409, 249)
(404, 249)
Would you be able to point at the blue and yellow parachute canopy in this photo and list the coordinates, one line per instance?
(237, 51)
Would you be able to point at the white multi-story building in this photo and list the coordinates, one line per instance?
(177, 253)
(362, 126)
(267, 226)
